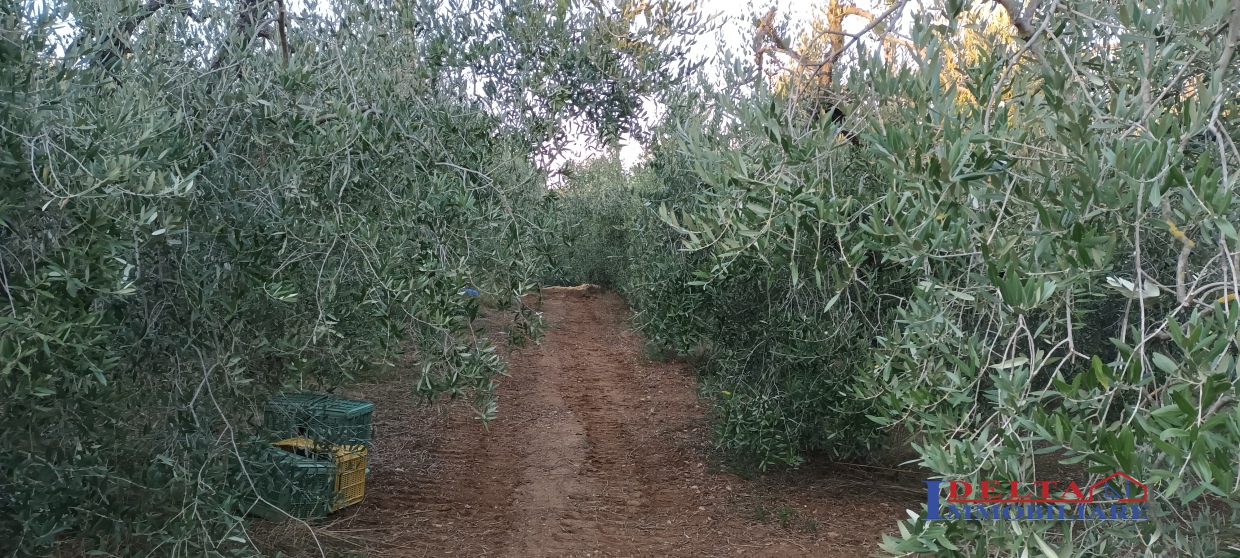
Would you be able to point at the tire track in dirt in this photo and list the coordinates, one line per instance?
(591, 361)
(597, 452)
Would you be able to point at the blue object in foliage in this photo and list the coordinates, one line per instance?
(469, 291)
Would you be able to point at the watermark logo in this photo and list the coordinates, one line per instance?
(1118, 497)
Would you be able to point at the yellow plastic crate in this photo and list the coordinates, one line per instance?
(351, 479)
(350, 462)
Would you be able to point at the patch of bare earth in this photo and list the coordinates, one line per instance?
(597, 452)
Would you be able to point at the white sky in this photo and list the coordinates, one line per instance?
(734, 35)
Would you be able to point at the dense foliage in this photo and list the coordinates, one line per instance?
(206, 203)
(1022, 252)
(777, 355)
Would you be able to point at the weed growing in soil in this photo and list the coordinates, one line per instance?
(786, 515)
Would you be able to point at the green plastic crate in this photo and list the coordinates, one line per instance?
(298, 486)
(324, 418)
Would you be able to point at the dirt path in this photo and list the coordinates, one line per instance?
(598, 452)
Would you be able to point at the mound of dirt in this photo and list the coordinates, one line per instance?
(579, 291)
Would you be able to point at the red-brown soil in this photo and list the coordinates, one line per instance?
(597, 452)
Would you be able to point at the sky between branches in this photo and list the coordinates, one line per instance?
(734, 36)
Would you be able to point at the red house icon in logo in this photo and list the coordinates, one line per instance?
(1120, 488)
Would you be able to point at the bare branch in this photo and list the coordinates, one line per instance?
(1233, 36)
(766, 30)
(1218, 405)
(1019, 20)
(283, 32)
(873, 23)
(1181, 273)
(836, 15)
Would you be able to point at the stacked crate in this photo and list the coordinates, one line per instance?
(348, 467)
(292, 485)
(320, 465)
(322, 418)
